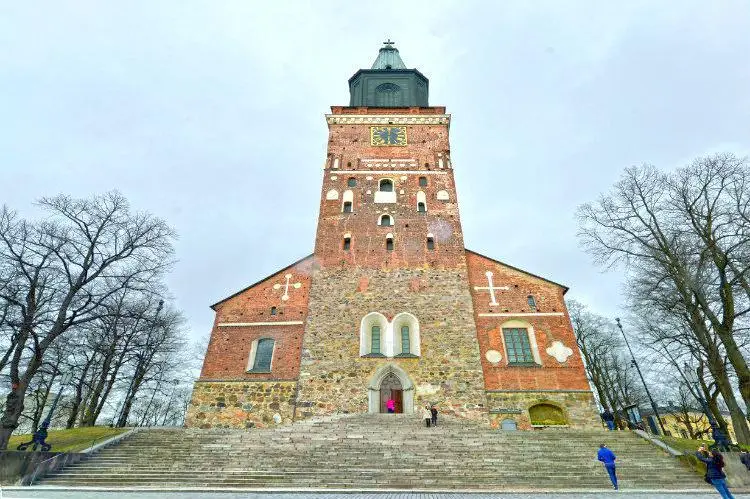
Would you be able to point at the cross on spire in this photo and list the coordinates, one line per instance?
(388, 43)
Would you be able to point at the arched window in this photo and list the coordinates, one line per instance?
(261, 355)
(352, 182)
(406, 335)
(385, 220)
(422, 181)
(517, 346)
(347, 202)
(532, 303)
(273, 310)
(430, 242)
(405, 345)
(373, 334)
(375, 339)
(389, 242)
(421, 202)
(347, 243)
(386, 185)
(388, 95)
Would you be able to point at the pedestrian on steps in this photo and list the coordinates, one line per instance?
(390, 405)
(607, 457)
(715, 473)
(427, 415)
(433, 413)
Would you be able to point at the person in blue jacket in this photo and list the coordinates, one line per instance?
(714, 472)
(607, 457)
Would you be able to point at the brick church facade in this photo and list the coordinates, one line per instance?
(391, 304)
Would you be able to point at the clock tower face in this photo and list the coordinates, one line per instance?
(388, 135)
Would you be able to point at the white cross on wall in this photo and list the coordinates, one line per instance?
(491, 288)
(295, 285)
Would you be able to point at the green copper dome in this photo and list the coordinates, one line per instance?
(388, 83)
(388, 58)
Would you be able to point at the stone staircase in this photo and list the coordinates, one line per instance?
(376, 452)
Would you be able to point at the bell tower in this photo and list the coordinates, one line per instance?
(389, 294)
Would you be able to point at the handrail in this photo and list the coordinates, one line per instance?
(64, 458)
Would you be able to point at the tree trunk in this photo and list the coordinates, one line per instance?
(13, 410)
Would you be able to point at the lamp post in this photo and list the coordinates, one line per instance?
(720, 438)
(640, 374)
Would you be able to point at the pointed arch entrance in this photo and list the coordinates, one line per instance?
(390, 380)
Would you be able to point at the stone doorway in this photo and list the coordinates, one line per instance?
(391, 387)
(390, 380)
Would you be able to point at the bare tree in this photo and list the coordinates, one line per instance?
(673, 233)
(58, 273)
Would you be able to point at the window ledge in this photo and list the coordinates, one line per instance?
(257, 371)
(406, 356)
(373, 355)
(523, 364)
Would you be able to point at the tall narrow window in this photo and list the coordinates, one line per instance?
(386, 220)
(405, 340)
(389, 244)
(263, 355)
(430, 243)
(517, 346)
(375, 339)
(347, 243)
(347, 207)
(352, 182)
(421, 207)
(273, 310)
(422, 181)
(386, 185)
(532, 303)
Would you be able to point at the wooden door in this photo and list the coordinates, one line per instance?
(399, 399)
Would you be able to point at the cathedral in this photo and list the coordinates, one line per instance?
(391, 306)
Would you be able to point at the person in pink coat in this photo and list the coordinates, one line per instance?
(391, 406)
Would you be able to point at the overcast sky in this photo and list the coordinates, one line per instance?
(210, 115)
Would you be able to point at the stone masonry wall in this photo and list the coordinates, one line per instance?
(333, 376)
(578, 407)
(240, 404)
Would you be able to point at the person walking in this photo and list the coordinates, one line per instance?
(745, 459)
(609, 419)
(607, 457)
(427, 415)
(433, 413)
(390, 405)
(715, 473)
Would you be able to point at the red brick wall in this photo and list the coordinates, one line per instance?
(229, 347)
(552, 375)
(427, 144)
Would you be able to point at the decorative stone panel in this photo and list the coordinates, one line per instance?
(577, 405)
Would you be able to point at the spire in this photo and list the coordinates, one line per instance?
(388, 57)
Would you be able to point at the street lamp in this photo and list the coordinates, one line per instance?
(635, 364)
(720, 438)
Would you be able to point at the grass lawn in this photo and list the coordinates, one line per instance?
(685, 444)
(73, 440)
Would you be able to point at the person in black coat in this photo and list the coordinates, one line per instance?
(433, 413)
(714, 472)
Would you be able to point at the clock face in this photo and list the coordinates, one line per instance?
(388, 135)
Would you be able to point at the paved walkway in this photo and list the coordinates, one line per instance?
(39, 493)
